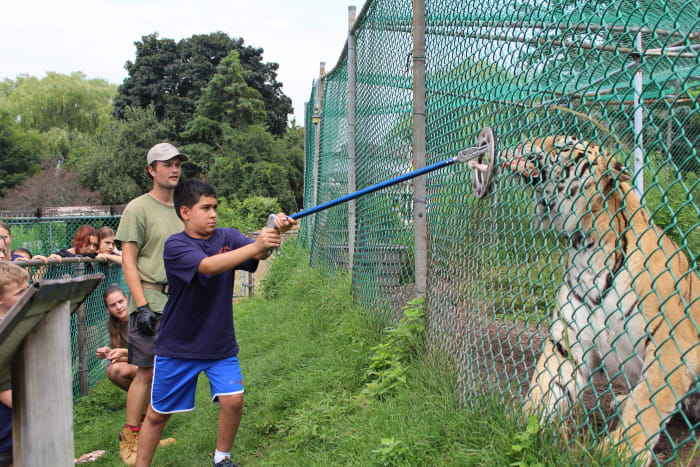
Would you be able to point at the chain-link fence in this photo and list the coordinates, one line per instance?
(46, 235)
(572, 287)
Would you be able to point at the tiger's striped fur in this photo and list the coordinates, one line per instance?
(629, 302)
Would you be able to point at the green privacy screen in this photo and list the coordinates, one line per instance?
(571, 290)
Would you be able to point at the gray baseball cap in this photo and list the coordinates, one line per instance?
(163, 152)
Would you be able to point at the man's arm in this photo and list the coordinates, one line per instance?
(130, 251)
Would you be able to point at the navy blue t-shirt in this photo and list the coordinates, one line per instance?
(5, 428)
(197, 321)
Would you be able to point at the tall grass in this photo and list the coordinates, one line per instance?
(306, 355)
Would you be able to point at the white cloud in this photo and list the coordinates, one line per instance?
(97, 37)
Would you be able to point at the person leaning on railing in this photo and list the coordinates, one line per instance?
(14, 280)
(105, 248)
(84, 244)
(6, 252)
(23, 255)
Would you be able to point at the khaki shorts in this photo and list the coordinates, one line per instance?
(142, 348)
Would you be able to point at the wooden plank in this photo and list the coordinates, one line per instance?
(41, 297)
(35, 344)
(76, 211)
(42, 412)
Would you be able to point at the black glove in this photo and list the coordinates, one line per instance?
(145, 320)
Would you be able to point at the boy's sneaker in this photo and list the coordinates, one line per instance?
(128, 443)
(225, 462)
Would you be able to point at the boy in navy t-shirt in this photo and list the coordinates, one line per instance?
(196, 332)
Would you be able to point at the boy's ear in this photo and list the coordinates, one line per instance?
(184, 212)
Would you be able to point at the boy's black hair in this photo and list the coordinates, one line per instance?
(21, 250)
(188, 192)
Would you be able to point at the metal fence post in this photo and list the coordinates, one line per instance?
(82, 339)
(352, 95)
(419, 210)
(638, 120)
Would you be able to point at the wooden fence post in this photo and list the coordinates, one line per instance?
(82, 340)
(42, 393)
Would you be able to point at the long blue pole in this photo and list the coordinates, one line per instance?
(373, 188)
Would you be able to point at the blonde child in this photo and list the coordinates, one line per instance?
(14, 281)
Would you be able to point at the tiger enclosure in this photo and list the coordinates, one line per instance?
(570, 289)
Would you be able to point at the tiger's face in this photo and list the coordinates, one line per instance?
(572, 179)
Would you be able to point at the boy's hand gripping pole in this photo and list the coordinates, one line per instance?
(482, 153)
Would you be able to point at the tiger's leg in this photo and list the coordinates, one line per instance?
(665, 381)
(559, 374)
(553, 386)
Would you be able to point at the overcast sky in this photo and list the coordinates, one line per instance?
(97, 36)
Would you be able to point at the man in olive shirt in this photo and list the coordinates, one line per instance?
(145, 225)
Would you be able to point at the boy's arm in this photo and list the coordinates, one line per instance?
(6, 397)
(216, 264)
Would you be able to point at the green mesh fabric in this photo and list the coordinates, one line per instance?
(329, 246)
(623, 75)
(304, 237)
(384, 251)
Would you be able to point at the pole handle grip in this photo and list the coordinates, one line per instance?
(271, 225)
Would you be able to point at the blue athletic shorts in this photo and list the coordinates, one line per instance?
(175, 381)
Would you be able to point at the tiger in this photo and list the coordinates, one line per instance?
(629, 301)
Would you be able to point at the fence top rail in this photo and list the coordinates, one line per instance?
(69, 260)
(64, 212)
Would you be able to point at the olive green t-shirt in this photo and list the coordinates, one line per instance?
(148, 222)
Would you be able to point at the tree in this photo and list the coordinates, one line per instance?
(52, 186)
(228, 98)
(227, 103)
(115, 163)
(57, 114)
(171, 76)
(68, 102)
(19, 151)
(251, 213)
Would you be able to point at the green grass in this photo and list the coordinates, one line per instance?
(305, 353)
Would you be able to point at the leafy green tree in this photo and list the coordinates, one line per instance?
(70, 102)
(228, 97)
(253, 162)
(115, 164)
(226, 103)
(19, 151)
(171, 76)
(251, 213)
